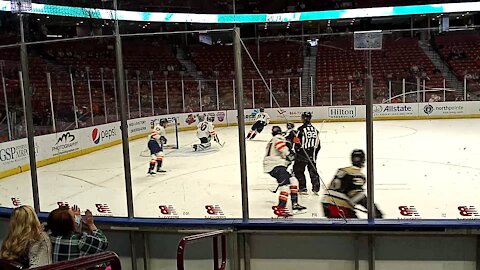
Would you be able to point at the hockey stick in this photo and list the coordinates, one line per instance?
(217, 140)
(278, 186)
(274, 191)
(361, 210)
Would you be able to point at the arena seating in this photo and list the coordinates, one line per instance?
(337, 64)
(279, 60)
(462, 53)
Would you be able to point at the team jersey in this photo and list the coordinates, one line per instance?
(346, 188)
(290, 135)
(309, 142)
(262, 117)
(276, 153)
(205, 129)
(309, 137)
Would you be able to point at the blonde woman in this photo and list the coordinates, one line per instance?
(26, 242)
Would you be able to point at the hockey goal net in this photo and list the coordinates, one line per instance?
(171, 136)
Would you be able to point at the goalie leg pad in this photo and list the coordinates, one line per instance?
(202, 146)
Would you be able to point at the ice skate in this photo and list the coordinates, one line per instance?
(298, 207)
(160, 170)
(281, 211)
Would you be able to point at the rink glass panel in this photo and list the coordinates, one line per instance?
(205, 184)
(16, 190)
(79, 76)
(413, 161)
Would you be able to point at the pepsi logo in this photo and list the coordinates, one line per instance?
(95, 135)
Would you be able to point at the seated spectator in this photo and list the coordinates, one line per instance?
(414, 69)
(68, 242)
(26, 242)
(424, 76)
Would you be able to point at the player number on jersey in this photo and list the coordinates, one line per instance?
(311, 134)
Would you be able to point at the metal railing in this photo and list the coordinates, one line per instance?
(80, 263)
(217, 264)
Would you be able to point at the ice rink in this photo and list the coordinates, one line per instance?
(429, 166)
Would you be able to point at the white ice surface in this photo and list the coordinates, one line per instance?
(431, 165)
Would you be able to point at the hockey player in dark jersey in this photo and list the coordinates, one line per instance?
(346, 190)
(156, 151)
(291, 136)
(307, 147)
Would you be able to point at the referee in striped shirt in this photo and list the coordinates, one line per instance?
(306, 150)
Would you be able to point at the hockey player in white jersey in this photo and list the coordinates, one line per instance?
(277, 159)
(262, 119)
(160, 130)
(156, 152)
(205, 132)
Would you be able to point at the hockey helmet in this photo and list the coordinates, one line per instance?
(290, 126)
(306, 117)
(211, 118)
(163, 122)
(358, 158)
(201, 117)
(276, 130)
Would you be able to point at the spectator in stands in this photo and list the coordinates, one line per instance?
(424, 75)
(26, 242)
(68, 242)
(414, 70)
(358, 77)
(434, 98)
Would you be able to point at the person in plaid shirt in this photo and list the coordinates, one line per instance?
(68, 242)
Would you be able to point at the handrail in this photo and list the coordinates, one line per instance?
(87, 261)
(215, 234)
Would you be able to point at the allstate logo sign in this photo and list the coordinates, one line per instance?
(428, 109)
(393, 110)
(377, 109)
